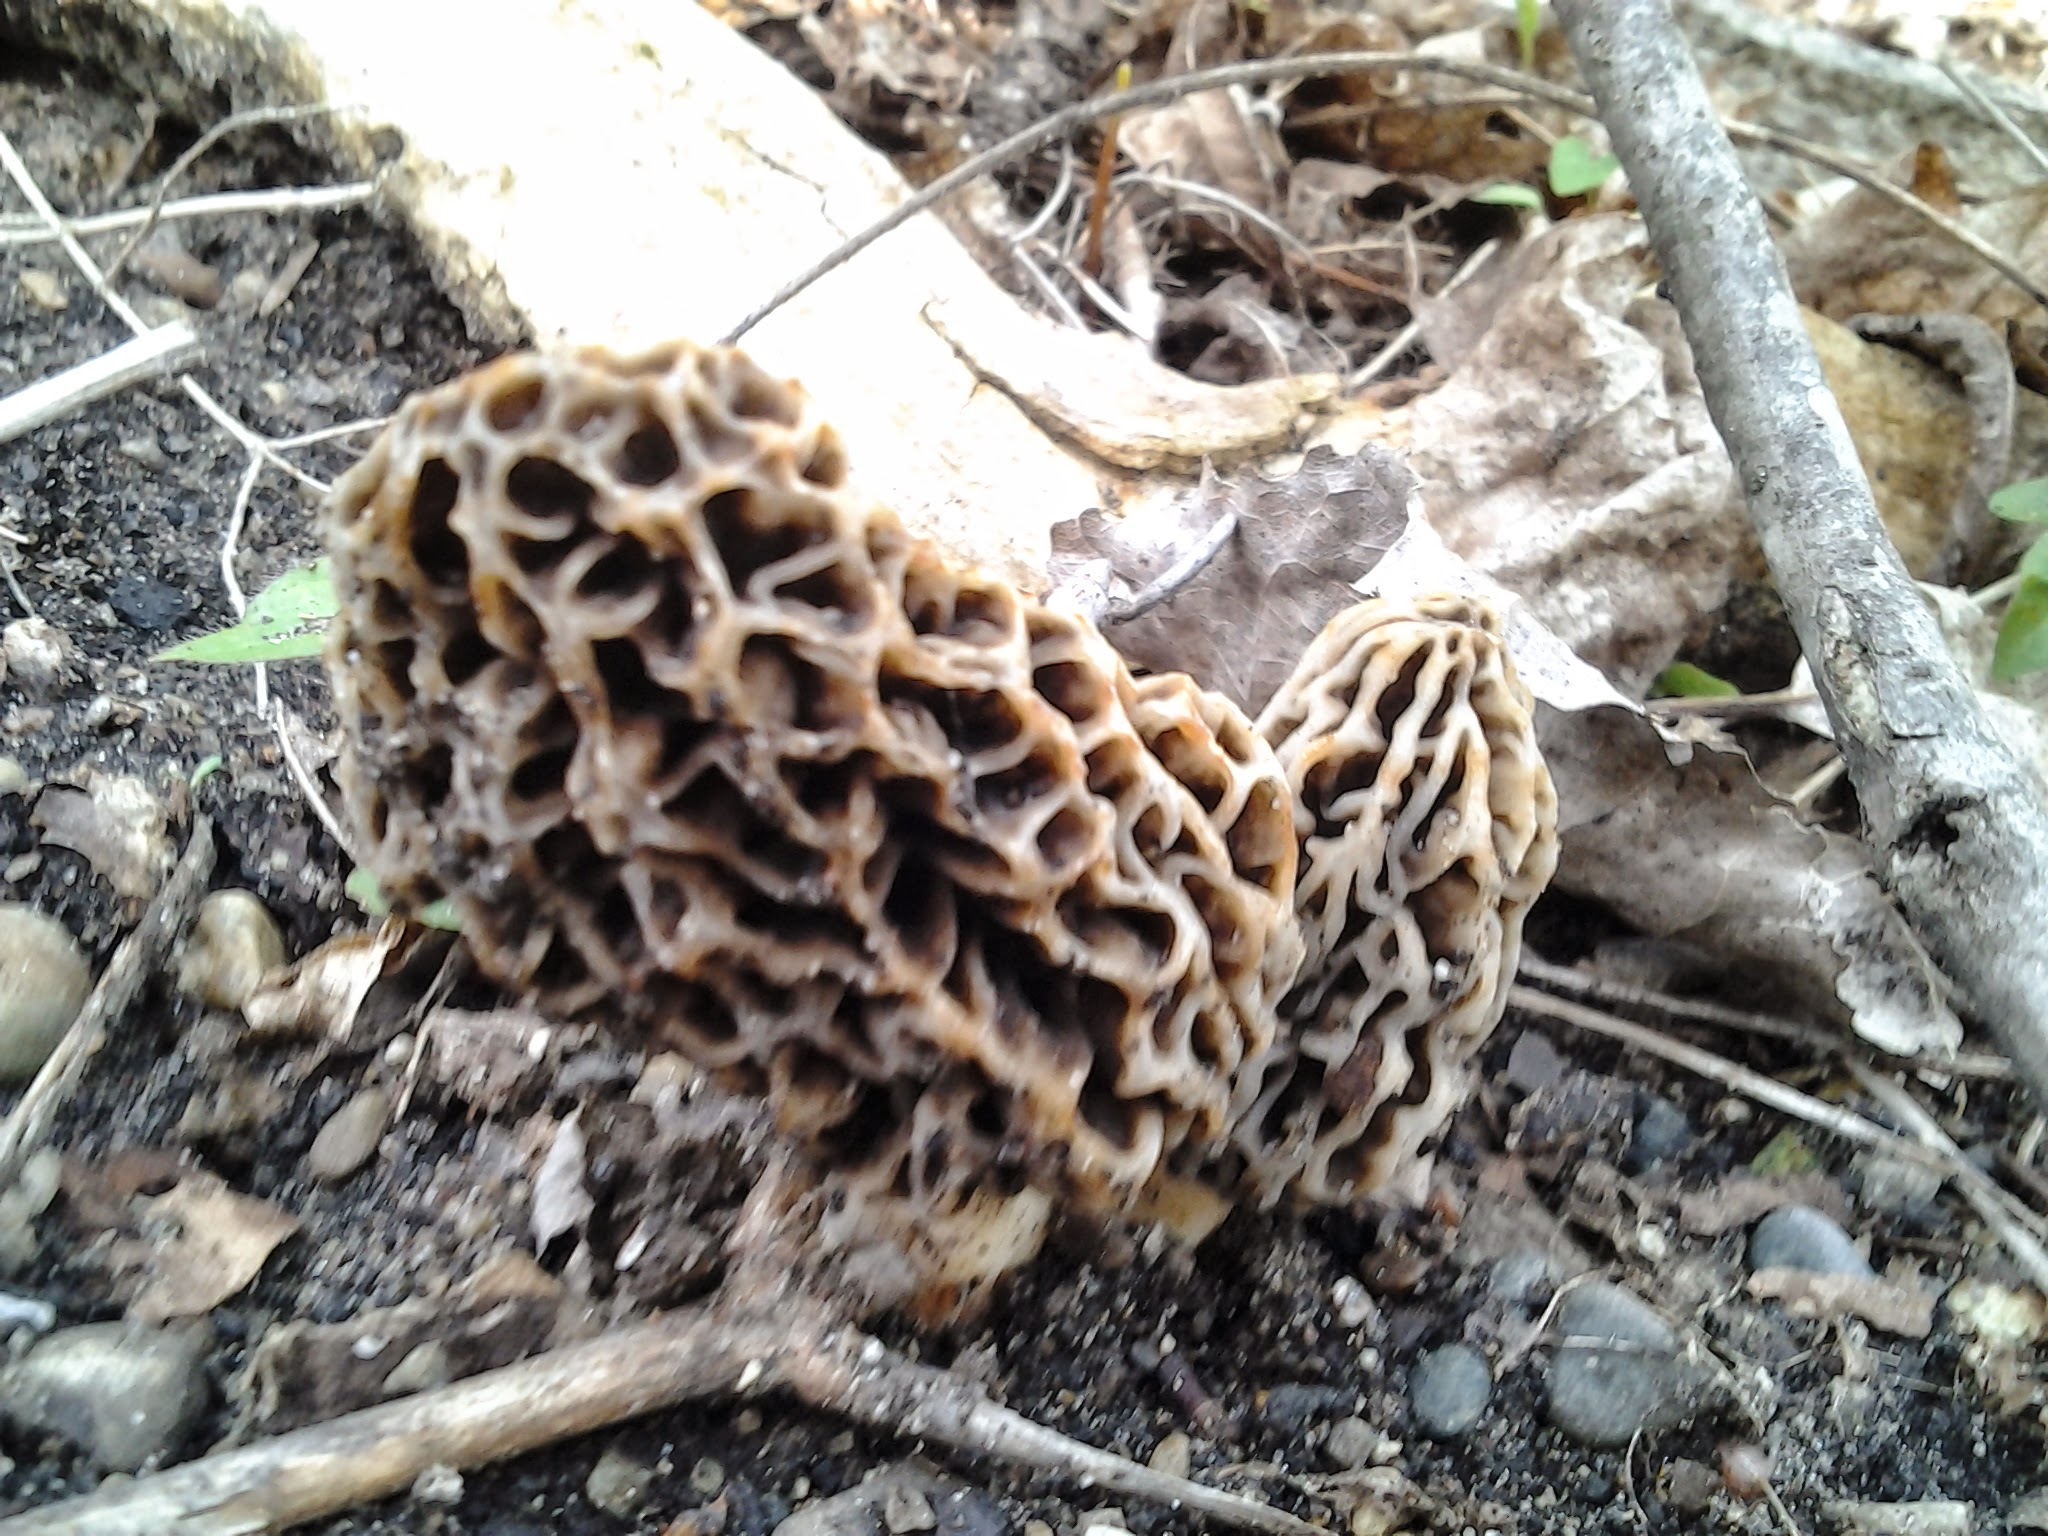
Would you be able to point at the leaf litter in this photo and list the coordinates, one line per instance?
(1555, 435)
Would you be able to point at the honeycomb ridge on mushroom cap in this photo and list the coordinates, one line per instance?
(704, 748)
(1428, 826)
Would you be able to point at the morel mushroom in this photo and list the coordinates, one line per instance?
(1428, 826)
(705, 749)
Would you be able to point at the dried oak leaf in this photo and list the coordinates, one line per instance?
(1299, 545)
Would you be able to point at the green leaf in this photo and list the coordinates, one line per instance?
(1528, 22)
(2023, 637)
(1784, 1153)
(2024, 502)
(361, 888)
(208, 767)
(1683, 680)
(1575, 170)
(1509, 194)
(2035, 561)
(286, 621)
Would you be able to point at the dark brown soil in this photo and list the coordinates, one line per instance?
(125, 505)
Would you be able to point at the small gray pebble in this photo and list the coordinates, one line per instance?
(350, 1136)
(1660, 1134)
(13, 777)
(617, 1484)
(1894, 1186)
(906, 1510)
(1601, 1395)
(37, 656)
(44, 980)
(1292, 1406)
(1533, 1062)
(1689, 1486)
(235, 942)
(1449, 1390)
(122, 1392)
(1800, 1237)
(1350, 1444)
(1174, 1455)
(1523, 1278)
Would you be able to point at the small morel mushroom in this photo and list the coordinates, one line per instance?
(1428, 826)
(705, 749)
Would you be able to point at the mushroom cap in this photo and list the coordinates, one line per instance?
(704, 748)
(1428, 826)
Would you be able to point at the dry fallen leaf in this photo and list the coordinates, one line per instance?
(1569, 454)
(1700, 850)
(1905, 1310)
(208, 1243)
(560, 1202)
(323, 992)
(1300, 544)
(116, 824)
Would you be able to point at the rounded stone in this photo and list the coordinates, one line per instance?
(1800, 1237)
(44, 981)
(1522, 1278)
(350, 1136)
(38, 655)
(122, 1392)
(618, 1484)
(235, 942)
(1660, 1134)
(1449, 1390)
(1350, 1444)
(1618, 1370)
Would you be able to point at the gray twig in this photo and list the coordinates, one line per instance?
(721, 1349)
(139, 957)
(1958, 824)
(254, 117)
(33, 231)
(1121, 610)
(1316, 66)
(160, 351)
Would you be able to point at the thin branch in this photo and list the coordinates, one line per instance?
(350, 194)
(1845, 1123)
(139, 957)
(2012, 1222)
(234, 123)
(147, 356)
(717, 1350)
(1991, 109)
(1121, 610)
(1308, 66)
(1828, 1042)
(1956, 821)
(2014, 1225)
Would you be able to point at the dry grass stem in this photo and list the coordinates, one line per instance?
(350, 194)
(143, 357)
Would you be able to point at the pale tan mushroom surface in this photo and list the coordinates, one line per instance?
(707, 751)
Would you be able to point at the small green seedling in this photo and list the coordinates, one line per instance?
(1575, 170)
(1683, 680)
(2023, 635)
(361, 888)
(287, 621)
(1510, 194)
(208, 767)
(1528, 22)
